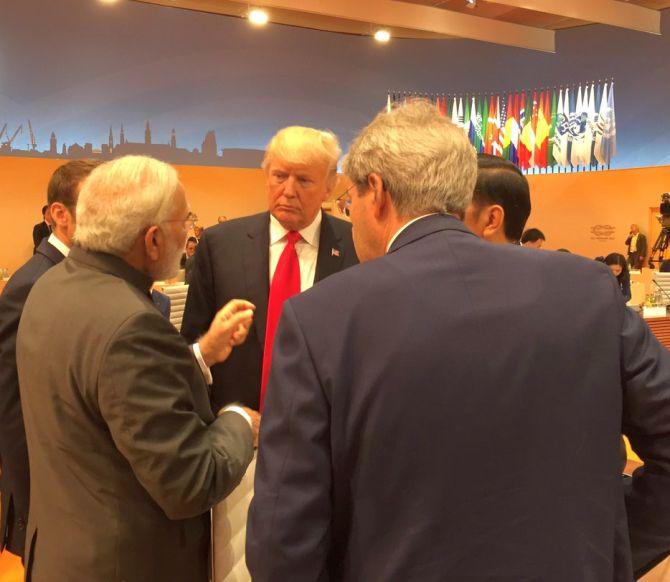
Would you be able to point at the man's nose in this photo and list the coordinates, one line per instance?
(289, 187)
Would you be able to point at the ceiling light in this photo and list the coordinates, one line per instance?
(382, 35)
(109, 1)
(258, 17)
(471, 3)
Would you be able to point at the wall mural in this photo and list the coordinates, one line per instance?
(83, 78)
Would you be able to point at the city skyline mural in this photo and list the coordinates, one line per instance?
(79, 77)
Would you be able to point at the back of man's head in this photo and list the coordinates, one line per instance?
(426, 163)
(501, 182)
(533, 237)
(65, 183)
(120, 199)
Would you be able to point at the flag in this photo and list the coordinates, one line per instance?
(608, 147)
(496, 141)
(454, 112)
(578, 129)
(388, 103)
(507, 128)
(527, 139)
(488, 134)
(598, 137)
(460, 112)
(472, 129)
(485, 122)
(560, 148)
(542, 132)
(524, 121)
(466, 118)
(591, 119)
(515, 132)
(552, 128)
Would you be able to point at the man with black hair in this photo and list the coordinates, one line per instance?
(501, 201)
(62, 194)
(533, 238)
(41, 229)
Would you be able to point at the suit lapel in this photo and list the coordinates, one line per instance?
(256, 270)
(331, 254)
(50, 252)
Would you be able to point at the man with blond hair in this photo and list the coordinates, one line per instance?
(445, 423)
(270, 256)
(126, 456)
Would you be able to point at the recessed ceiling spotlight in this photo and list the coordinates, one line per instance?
(471, 3)
(382, 35)
(258, 17)
(108, 1)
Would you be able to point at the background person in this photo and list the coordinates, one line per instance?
(617, 264)
(42, 229)
(533, 238)
(637, 247)
(501, 201)
(62, 193)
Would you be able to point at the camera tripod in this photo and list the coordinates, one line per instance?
(660, 246)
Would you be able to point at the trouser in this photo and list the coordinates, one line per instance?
(635, 260)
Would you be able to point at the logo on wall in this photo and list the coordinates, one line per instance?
(602, 232)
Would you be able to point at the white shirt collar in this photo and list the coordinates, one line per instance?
(404, 226)
(59, 244)
(310, 234)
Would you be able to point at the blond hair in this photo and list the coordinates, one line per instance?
(304, 145)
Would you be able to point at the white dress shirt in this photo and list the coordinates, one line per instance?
(307, 249)
(59, 244)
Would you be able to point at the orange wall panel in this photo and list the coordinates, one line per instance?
(566, 207)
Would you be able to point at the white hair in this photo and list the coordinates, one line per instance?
(425, 161)
(120, 199)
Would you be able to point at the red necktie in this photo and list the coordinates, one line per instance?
(285, 283)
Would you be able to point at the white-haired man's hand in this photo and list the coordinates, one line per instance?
(228, 329)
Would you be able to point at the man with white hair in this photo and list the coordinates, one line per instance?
(270, 256)
(458, 415)
(126, 456)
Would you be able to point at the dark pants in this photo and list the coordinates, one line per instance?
(635, 260)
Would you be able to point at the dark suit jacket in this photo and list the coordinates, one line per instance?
(641, 244)
(232, 262)
(126, 457)
(458, 418)
(15, 478)
(40, 231)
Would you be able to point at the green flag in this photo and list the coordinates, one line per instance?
(551, 161)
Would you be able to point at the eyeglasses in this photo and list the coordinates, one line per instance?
(190, 221)
(343, 201)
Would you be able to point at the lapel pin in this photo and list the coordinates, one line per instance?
(334, 253)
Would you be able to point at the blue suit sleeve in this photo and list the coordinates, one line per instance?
(645, 370)
(288, 532)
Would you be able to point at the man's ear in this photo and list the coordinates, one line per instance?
(380, 196)
(153, 239)
(59, 213)
(495, 222)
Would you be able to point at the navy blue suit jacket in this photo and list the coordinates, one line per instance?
(15, 479)
(232, 262)
(452, 411)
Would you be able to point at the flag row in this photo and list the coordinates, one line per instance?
(572, 127)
